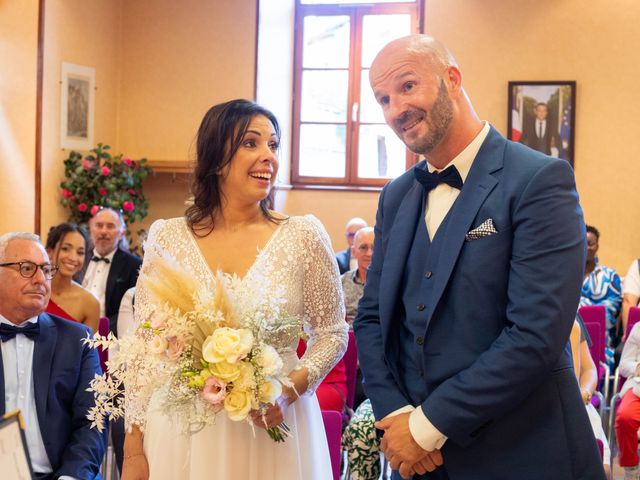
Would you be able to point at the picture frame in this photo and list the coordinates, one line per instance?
(541, 115)
(77, 106)
(14, 451)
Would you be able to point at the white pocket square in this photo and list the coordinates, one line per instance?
(485, 229)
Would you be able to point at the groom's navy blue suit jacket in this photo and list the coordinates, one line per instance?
(62, 369)
(496, 368)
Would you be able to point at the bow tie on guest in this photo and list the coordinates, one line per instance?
(96, 258)
(429, 180)
(31, 330)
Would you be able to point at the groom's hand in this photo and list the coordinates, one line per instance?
(401, 449)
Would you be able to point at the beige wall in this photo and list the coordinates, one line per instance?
(173, 60)
(596, 44)
(18, 57)
(84, 33)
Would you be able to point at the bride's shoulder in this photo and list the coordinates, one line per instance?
(307, 225)
(162, 229)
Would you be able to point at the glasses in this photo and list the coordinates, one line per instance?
(29, 269)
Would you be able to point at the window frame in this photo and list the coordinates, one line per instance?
(356, 12)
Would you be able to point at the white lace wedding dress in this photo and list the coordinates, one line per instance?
(298, 260)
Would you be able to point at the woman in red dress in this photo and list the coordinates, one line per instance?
(67, 246)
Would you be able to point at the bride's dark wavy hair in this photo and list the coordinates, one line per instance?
(219, 137)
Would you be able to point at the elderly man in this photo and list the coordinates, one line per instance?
(45, 368)
(353, 281)
(112, 271)
(462, 333)
(345, 262)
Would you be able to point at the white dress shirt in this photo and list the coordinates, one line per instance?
(19, 394)
(439, 202)
(95, 280)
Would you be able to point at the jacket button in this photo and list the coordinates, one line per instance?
(420, 307)
(428, 274)
(420, 340)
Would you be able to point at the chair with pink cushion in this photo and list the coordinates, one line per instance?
(333, 429)
(351, 369)
(103, 330)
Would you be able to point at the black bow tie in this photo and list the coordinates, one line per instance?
(429, 180)
(31, 330)
(96, 258)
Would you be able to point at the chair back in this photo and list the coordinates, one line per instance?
(333, 429)
(351, 368)
(596, 349)
(103, 330)
(594, 313)
(634, 317)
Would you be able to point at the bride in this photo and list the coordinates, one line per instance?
(231, 228)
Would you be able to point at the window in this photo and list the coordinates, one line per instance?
(339, 135)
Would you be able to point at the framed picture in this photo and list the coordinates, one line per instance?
(542, 116)
(77, 106)
(14, 453)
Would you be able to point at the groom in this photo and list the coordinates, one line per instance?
(462, 330)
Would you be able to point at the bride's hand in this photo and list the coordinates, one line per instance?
(135, 467)
(273, 414)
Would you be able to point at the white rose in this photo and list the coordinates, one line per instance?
(269, 361)
(237, 404)
(270, 390)
(158, 344)
(227, 344)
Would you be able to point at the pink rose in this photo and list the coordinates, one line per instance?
(158, 322)
(214, 391)
(66, 193)
(102, 191)
(95, 209)
(82, 207)
(87, 164)
(176, 347)
(132, 192)
(126, 161)
(128, 206)
(105, 171)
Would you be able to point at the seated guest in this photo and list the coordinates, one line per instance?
(353, 280)
(587, 376)
(630, 291)
(601, 286)
(46, 368)
(362, 444)
(628, 413)
(66, 246)
(332, 392)
(345, 262)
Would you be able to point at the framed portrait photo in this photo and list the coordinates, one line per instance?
(77, 106)
(542, 116)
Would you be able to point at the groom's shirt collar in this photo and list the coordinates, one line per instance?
(465, 158)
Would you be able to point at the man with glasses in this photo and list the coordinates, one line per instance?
(344, 259)
(45, 368)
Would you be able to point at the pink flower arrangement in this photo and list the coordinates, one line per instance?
(127, 161)
(95, 209)
(105, 171)
(176, 347)
(87, 164)
(66, 193)
(128, 206)
(102, 191)
(82, 207)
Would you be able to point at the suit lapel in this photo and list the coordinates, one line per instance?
(479, 183)
(114, 272)
(44, 348)
(401, 237)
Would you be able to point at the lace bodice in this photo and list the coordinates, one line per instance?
(297, 265)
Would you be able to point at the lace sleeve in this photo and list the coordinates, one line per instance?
(137, 393)
(324, 313)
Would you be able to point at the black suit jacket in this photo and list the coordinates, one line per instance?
(63, 366)
(123, 275)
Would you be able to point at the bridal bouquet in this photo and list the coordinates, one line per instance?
(197, 350)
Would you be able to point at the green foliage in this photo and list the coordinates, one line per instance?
(101, 180)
